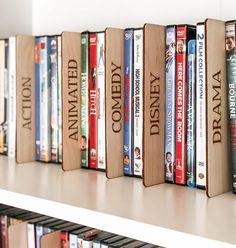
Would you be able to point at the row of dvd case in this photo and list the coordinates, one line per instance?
(133, 102)
(20, 228)
(64, 86)
(189, 93)
(181, 101)
(93, 100)
(7, 97)
(48, 99)
(85, 57)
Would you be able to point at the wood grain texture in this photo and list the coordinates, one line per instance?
(18, 235)
(25, 99)
(71, 62)
(51, 240)
(218, 167)
(114, 74)
(154, 104)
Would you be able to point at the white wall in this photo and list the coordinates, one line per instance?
(15, 17)
(55, 16)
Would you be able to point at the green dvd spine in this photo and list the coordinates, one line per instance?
(84, 98)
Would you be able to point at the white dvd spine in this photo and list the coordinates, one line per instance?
(12, 98)
(45, 137)
(101, 100)
(138, 102)
(201, 109)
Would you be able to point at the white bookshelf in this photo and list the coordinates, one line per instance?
(166, 215)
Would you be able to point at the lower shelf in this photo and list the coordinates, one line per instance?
(166, 215)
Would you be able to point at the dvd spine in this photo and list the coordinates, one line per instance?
(231, 80)
(31, 236)
(45, 146)
(128, 108)
(6, 99)
(37, 96)
(64, 240)
(2, 98)
(170, 104)
(200, 108)
(79, 242)
(101, 100)
(93, 102)
(191, 102)
(96, 244)
(87, 244)
(138, 102)
(73, 241)
(39, 233)
(12, 98)
(180, 170)
(59, 100)
(54, 99)
(84, 99)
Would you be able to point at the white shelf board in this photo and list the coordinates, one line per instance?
(166, 215)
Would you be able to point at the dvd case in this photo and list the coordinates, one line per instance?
(59, 100)
(45, 86)
(54, 98)
(93, 128)
(12, 98)
(101, 100)
(128, 102)
(191, 106)
(6, 99)
(37, 97)
(75, 241)
(183, 34)
(200, 108)
(170, 104)
(84, 99)
(138, 103)
(2, 95)
(231, 81)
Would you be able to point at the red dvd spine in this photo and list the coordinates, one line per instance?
(93, 101)
(180, 162)
(64, 240)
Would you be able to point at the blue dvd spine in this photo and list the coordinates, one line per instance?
(128, 108)
(170, 104)
(37, 73)
(191, 106)
(73, 240)
(39, 234)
